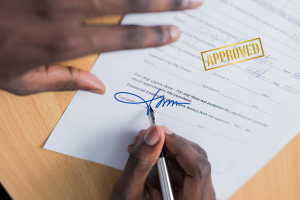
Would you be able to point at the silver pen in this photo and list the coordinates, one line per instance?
(162, 168)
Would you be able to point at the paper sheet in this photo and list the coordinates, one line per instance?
(241, 114)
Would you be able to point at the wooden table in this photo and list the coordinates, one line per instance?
(29, 172)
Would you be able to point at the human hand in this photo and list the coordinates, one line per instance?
(189, 171)
(35, 33)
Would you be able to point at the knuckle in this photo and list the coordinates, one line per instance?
(71, 84)
(204, 167)
(60, 42)
(63, 43)
(176, 4)
(134, 37)
(200, 150)
(183, 145)
(197, 147)
(160, 34)
(139, 5)
(137, 163)
(204, 154)
(47, 9)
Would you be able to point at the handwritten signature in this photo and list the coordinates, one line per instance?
(215, 37)
(148, 102)
(266, 60)
(256, 72)
(295, 38)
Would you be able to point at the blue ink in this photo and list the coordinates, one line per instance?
(162, 101)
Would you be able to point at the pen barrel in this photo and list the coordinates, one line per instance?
(164, 179)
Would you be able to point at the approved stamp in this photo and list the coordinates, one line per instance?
(232, 54)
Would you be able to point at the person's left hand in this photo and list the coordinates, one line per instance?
(36, 33)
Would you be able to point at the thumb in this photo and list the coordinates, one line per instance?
(143, 157)
(53, 78)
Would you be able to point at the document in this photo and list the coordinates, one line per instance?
(242, 114)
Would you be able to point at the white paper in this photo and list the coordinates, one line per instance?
(256, 102)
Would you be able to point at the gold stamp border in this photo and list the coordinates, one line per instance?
(230, 46)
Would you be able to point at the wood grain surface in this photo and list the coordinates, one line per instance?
(29, 172)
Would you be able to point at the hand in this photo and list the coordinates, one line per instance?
(34, 33)
(190, 170)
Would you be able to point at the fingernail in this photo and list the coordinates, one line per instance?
(194, 3)
(166, 130)
(152, 136)
(97, 91)
(175, 32)
(141, 133)
(130, 147)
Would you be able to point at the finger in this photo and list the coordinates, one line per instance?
(174, 164)
(176, 171)
(91, 8)
(199, 149)
(137, 138)
(130, 147)
(177, 177)
(53, 78)
(88, 40)
(140, 135)
(153, 188)
(142, 158)
(197, 168)
(153, 182)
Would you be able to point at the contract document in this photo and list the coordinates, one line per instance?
(242, 114)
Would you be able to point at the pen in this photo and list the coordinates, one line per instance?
(162, 168)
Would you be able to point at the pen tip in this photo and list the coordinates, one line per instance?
(151, 110)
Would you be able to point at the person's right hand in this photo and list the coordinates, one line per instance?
(190, 169)
(36, 33)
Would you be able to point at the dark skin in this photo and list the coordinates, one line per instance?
(190, 170)
(36, 33)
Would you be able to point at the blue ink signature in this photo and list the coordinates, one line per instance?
(162, 101)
